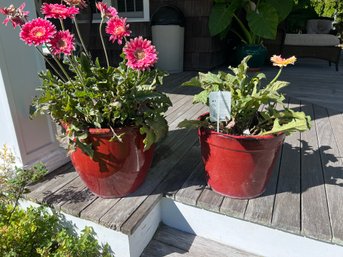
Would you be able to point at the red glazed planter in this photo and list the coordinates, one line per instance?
(238, 166)
(118, 168)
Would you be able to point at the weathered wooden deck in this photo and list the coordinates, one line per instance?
(304, 196)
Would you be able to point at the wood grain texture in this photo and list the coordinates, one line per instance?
(191, 245)
(192, 187)
(115, 217)
(49, 187)
(286, 215)
(314, 210)
(233, 207)
(210, 200)
(332, 164)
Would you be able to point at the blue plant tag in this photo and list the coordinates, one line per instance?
(220, 106)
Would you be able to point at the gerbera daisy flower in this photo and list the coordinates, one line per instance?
(62, 43)
(140, 54)
(37, 32)
(80, 3)
(277, 60)
(106, 11)
(16, 16)
(59, 11)
(117, 29)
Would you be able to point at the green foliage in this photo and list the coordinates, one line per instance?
(261, 18)
(247, 99)
(104, 98)
(36, 231)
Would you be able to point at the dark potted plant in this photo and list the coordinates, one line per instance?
(239, 150)
(256, 20)
(113, 116)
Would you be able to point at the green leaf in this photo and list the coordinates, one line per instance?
(264, 21)
(191, 124)
(202, 97)
(221, 15)
(194, 82)
(283, 7)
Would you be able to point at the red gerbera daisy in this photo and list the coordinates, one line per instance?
(140, 54)
(16, 16)
(106, 11)
(59, 11)
(117, 29)
(62, 43)
(37, 32)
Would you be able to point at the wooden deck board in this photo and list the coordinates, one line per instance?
(304, 195)
(286, 215)
(333, 172)
(314, 210)
(167, 239)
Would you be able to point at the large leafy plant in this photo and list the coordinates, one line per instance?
(260, 20)
(254, 107)
(80, 93)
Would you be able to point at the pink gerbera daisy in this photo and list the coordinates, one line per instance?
(37, 32)
(106, 11)
(16, 16)
(62, 43)
(140, 54)
(117, 29)
(59, 11)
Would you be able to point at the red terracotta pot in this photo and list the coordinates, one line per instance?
(117, 168)
(238, 166)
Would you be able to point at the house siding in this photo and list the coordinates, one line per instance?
(201, 51)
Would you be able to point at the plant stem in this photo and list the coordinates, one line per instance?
(80, 37)
(62, 24)
(60, 65)
(244, 29)
(51, 65)
(276, 77)
(78, 72)
(103, 42)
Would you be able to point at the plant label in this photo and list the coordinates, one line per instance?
(220, 106)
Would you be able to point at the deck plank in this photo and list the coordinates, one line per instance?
(169, 185)
(192, 187)
(193, 245)
(333, 172)
(286, 214)
(49, 187)
(234, 207)
(115, 217)
(260, 209)
(314, 210)
(210, 200)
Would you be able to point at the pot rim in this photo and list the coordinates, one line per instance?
(239, 137)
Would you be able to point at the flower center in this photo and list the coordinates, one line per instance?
(38, 31)
(61, 43)
(139, 54)
(119, 30)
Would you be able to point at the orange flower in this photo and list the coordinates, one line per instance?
(277, 60)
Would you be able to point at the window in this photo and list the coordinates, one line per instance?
(134, 10)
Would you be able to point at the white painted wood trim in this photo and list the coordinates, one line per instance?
(145, 231)
(30, 140)
(243, 235)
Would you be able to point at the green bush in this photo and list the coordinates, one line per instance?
(35, 231)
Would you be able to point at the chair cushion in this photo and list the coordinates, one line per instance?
(318, 26)
(311, 40)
